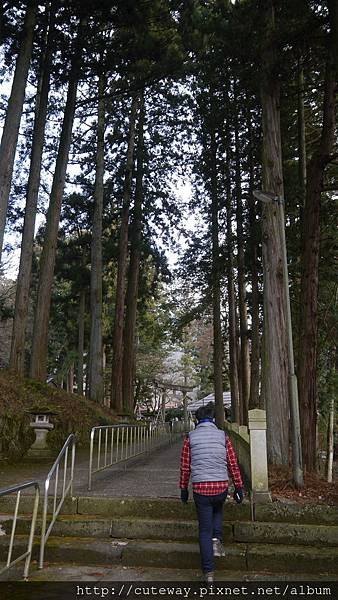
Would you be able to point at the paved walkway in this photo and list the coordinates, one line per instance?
(153, 475)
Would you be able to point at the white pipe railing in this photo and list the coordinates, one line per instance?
(28, 554)
(111, 444)
(66, 487)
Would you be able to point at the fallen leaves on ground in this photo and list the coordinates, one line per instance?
(316, 489)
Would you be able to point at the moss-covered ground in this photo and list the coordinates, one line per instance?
(75, 414)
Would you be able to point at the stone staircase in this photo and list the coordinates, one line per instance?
(162, 533)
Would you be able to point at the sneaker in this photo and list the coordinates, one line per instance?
(209, 577)
(218, 547)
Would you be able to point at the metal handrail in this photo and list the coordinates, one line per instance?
(121, 442)
(66, 487)
(28, 554)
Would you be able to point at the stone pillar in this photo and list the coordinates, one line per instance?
(258, 456)
(163, 405)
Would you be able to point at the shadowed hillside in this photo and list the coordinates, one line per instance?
(76, 414)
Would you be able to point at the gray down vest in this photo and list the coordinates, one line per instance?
(208, 453)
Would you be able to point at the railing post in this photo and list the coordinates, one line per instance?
(15, 518)
(91, 459)
(72, 469)
(63, 455)
(28, 554)
(258, 455)
(44, 525)
(32, 531)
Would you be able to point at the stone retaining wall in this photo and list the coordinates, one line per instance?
(241, 442)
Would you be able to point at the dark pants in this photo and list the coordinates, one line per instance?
(210, 517)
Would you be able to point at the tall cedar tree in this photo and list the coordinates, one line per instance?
(274, 358)
(308, 346)
(129, 334)
(116, 382)
(38, 368)
(232, 318)
(95, 387)
(242, 300)
(216, 281)
(10, 132)
(81, 342)
(17, 357)
(254, 399)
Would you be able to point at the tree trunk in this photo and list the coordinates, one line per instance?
(274, 359)
(330, 441)
(254, 399)
(80, 347)
(301, 139)
(70, 379)
(137, 392)
(47, 262)
(233, 340)
(116, 383)
(129, 347)
(96, 384)
(10, 133)
(243, 315)
(17, 357)
(307, 361)
(164, 398)
(216, 288)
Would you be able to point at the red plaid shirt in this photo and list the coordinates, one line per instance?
(209, 488)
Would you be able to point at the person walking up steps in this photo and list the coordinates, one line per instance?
(209, 457)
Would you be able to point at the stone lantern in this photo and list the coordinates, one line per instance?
(41, 425)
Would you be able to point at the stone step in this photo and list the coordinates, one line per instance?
(7, 505)
(252, 557)
(167, 508)
(160, 529)
(171, 508)
(67, 526)
(100, 527)
(182, 555)
(286, 533)
(292, 559)
(288, 512)
(106, 574)
(67, 549)
(155, 508)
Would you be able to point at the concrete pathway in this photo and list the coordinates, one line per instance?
(154, 475)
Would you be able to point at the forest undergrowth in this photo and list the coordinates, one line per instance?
(316, 489)
(75, 414)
